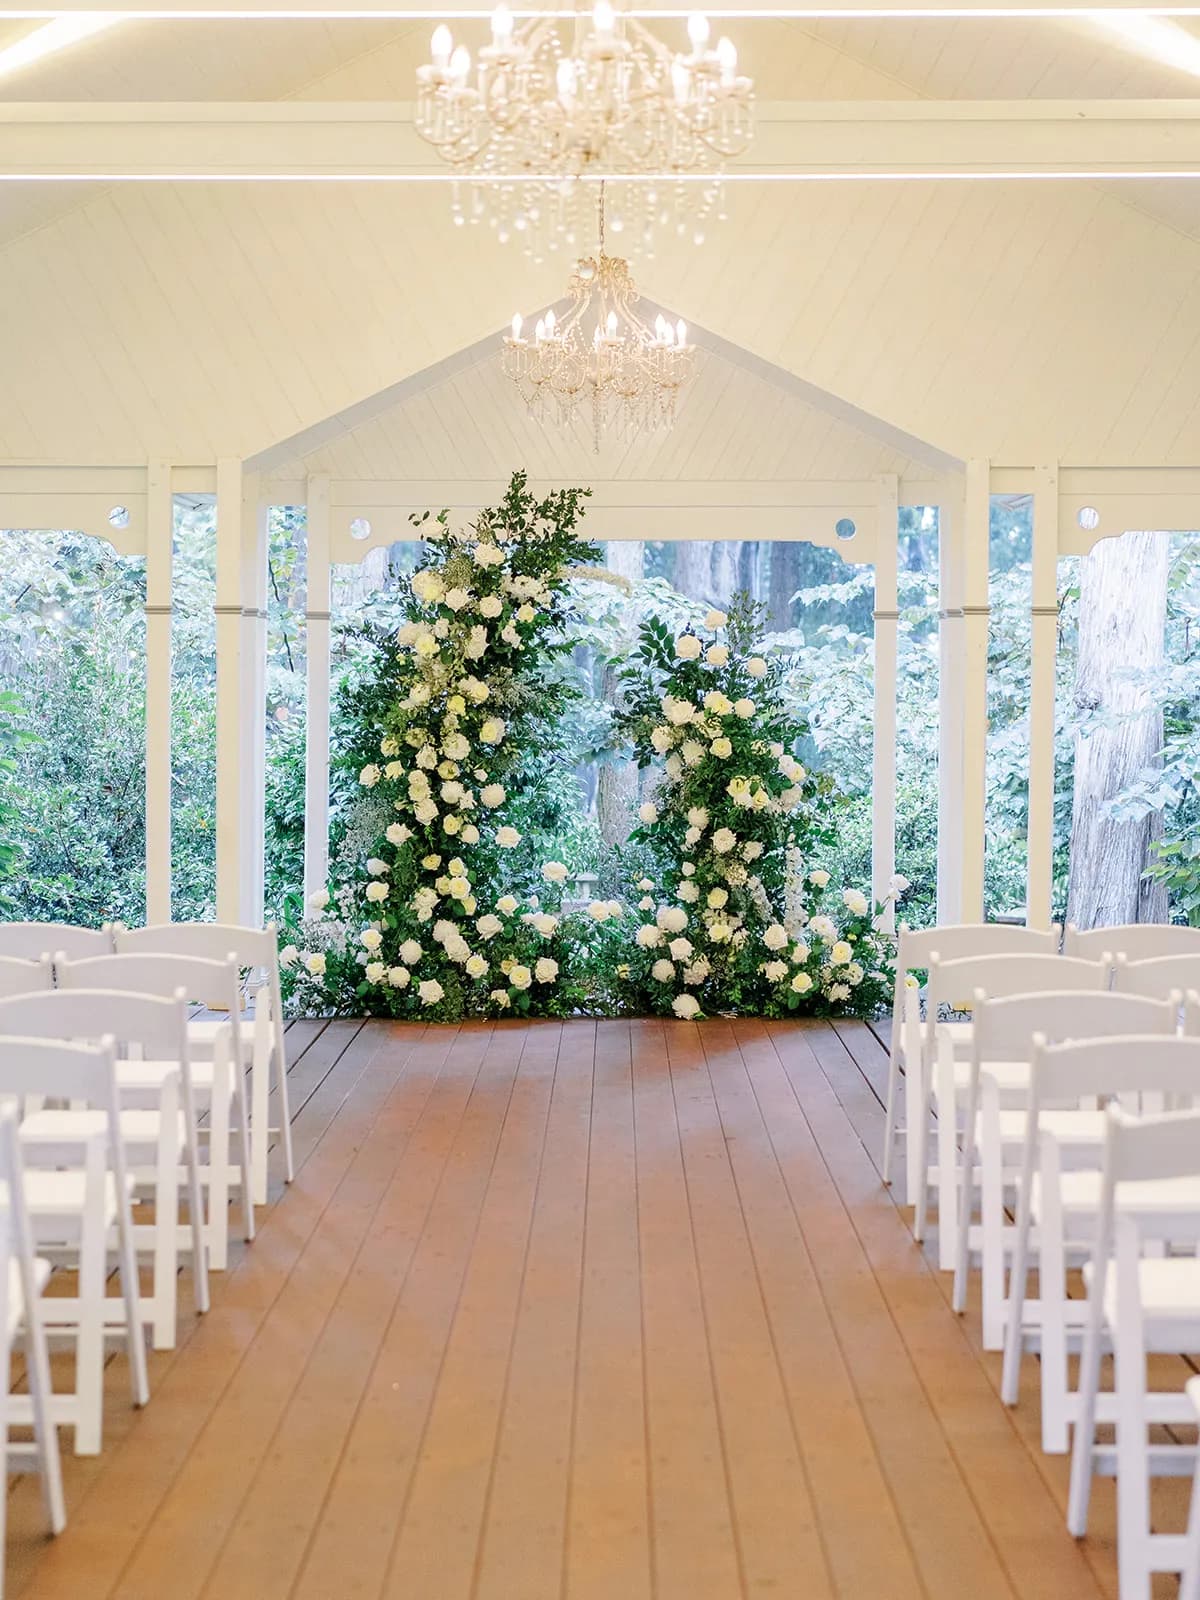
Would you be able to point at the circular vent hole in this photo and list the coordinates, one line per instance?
(119, 517)
(360, 528)
(845, 528)
(1088, 518)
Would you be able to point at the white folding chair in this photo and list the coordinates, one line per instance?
(1059, 1186)
(1140, 1305)
(24, 977)
(256, 950)
(997, 1099)
(1159, 975)
(158, 1120)
(946, 1051)
(22, 1281)
(77, 1196)
(915, 949)
(1136, 941)
(217, 1081)
(31, 941)
(1189, 1585)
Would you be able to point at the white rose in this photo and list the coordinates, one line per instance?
(545, 970)
(818, 878)
(489, 926)
(688, 892)
(492, 730)
(369, 776)
(475, 967)
(823, 927)
(430, 991)
(648, 936)
(662, 739)
(801, 983)
(645, 885)
(614, 908)
(717, 655)
(397, 833)
(775, 937)
(375, 971)
(520, 977)
(648, 812)
(687, 647)
(488, 555)
(673, 766)
(491, 605)
(398, 977)
(714, 620)
(722, 748)
(456, 598)
(598, 911)
(801, 952)
(685, 1006)
(646, 903)
(316, 965)
(493, 794)
(678, 712)
(717, 898)
(756, 667)
(554, 872)
(370, 938)
(776, 971)
(900, 885)
(698, 971)
(456, 746)
(377, 891)
(469, 834)
(476, 643)
(452, 791)
(724, 840)
(841, 953)
(425, 811)
(720, 932)
(744, 708)
(663, 971)
(499, 997)
(319, 900)
(752, 849)
(672, 919)
(506, 903)
(855, 902)
(507, 838)
(681, 949)
(543, 923)
(411, 952)
(288, 956)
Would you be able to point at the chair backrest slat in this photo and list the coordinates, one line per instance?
(215, 983)
(157, 1026)
(31, 941)
(24, 977)
(1134, 1064)
(955, 982)
(958, 941)
(1159, 975)
(36, 1065)
(1137, 941)
(214, 941)
(1005, 1027)
(1145, 1148)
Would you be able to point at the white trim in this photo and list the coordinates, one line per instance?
(159, 573)
(1043, 656)
(883, 783)
(317, 666)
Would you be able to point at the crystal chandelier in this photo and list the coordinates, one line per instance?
(616, 370)
(533, 115)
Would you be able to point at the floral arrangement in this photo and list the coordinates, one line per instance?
(738, 916)
(437, 910)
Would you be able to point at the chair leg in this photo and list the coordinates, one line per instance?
(139, 1380)
(245, 1154)
(218, 1164)
(1052, 1297)
(991, 1180)
(45, 1434)
(260, 1133)
(947, 1149)
(89, 1338)
(1133, 1476)
(285, 1110)
(166, 1237)
(1084, 1442)
(889, 1115)
(199, 1230)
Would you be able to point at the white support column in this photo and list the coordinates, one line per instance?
(887, 616)
(951, 661)
(1044, 646)
(160, 530)
(316, 746)
(253, 670)
(231, 865)
(977, 523)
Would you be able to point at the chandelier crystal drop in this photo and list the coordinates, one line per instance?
(534, 113)
(602, 361)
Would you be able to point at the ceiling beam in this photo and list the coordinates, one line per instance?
(858, 139)
(409, 10)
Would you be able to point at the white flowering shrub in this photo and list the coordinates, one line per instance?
(737, 914)
(441, 911)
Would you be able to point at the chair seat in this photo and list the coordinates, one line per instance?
(72, 1127)
(50, 1194)
(1170, 1293)
(1081, 1195)
(204, 1032)
(1074, 1129)
(16, 1292)
(152, 1074)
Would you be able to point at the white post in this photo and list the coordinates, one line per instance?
(160, 532)
(977, 523)
(883, 783)
(253, 670)
(230, 709)
(316, 740)
(951, 658)
(1044, 647)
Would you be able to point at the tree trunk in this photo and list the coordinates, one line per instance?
(784, 582)
(693, 569)
(617, 781)
(726, 562)
(1122, 618)
(749, 568)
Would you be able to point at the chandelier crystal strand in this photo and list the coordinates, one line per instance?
(532, 115)
(602, 360)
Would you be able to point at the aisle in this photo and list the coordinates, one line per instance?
(611, 1311)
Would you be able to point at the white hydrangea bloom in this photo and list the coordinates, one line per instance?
(685, 1006)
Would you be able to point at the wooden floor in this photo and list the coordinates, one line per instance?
(612, 1311)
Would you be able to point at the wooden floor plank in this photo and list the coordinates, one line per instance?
(608, 1520)
(524, 1523)
(591, 1311)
